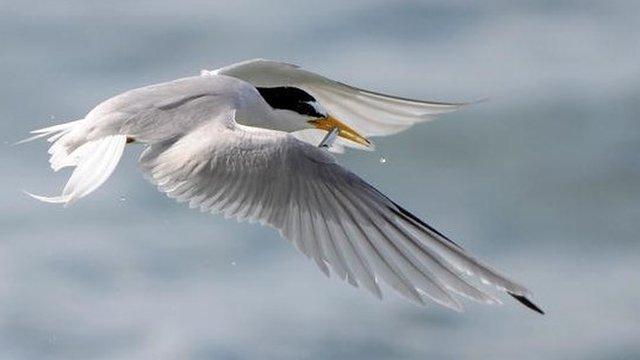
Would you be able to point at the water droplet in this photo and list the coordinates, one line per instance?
(233, 263)
(382, 160)
(52, 117)
(123, 199)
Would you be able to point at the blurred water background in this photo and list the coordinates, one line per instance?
(541, 181)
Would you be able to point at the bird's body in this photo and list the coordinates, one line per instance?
(229, 141)
(158, 112)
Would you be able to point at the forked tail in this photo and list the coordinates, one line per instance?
(94, 160)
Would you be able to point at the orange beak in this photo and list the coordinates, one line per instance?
(344, 131)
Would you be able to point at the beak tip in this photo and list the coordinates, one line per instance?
(370, 146)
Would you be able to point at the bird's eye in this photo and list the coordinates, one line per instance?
(290, 98)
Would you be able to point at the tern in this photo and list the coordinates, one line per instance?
(243, 141)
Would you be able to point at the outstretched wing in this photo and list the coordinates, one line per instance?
(367, 112)
(331, 215)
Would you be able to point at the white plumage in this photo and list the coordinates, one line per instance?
(216, 142)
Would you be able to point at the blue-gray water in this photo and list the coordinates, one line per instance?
(541, 181)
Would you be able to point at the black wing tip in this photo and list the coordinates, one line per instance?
(526, 302)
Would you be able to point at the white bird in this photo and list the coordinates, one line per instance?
(242, 141)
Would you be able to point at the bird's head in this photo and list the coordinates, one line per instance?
(300, 109)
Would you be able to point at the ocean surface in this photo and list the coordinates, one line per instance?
(541, 180)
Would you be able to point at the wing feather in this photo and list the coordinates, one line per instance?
(356, 258)
(369, 113)
(383, 263)
(320, 232)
